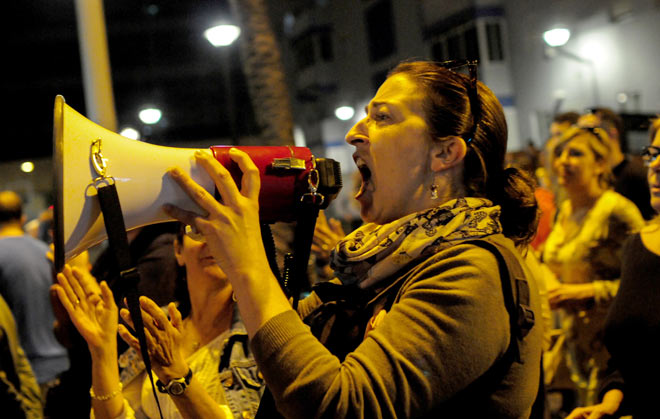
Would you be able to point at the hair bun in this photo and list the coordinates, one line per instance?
(513, 189)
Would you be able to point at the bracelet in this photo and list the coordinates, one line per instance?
(105, 396)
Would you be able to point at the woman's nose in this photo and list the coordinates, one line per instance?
(357, 134)
(560, 159)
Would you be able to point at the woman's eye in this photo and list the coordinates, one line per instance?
(381, 117)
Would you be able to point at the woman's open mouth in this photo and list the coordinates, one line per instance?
(365, 172)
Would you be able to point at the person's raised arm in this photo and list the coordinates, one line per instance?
(93, 311)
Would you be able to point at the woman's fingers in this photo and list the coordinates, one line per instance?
(175, 317)
(87, 282)
(184, 216)
(106, 295)
(126, 316)
(221, 177)
(251, 181)
(63, 296)
(127, 337)
(198, 194)
(64, 279)
(158, 318)
(76, 287)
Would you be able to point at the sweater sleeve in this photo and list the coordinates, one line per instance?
(447, 328)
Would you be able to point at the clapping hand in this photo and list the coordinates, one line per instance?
(327, 234)
(164, 338)
(91, 307)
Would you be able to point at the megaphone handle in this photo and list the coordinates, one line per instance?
(118, 243)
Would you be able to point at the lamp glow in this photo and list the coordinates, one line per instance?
(222, 35)
(150, 116)
(27, 166)
(556, 37)
(131, 133)
(344, 112)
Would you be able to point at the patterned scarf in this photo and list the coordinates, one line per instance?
(373, 252)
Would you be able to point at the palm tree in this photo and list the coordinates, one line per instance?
(264, 71)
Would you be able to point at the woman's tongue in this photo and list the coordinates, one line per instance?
(366, 185)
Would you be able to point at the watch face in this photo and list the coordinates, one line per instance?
(177, 388)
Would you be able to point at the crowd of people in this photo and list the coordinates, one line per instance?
(471, 288)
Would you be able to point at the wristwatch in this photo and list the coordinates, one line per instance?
(176, 386)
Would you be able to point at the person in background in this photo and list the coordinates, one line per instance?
(415, 324)
(208, 347)
(584, 251)
(20, 396)
(632, 329)
(629, 172)
(544, 173)
(25, 279)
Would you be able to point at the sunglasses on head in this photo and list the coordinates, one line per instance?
(472, 66)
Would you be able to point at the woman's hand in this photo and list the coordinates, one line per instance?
(231, 228)
(327, 234)
(609, 406)
(570, 294)
(164, 338)
(91, 307)
(233, 233)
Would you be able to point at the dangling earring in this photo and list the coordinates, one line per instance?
(233, 296)
(434, 191)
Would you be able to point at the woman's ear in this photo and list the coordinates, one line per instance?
(447, 153)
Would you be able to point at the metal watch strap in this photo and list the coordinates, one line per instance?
(182, 383)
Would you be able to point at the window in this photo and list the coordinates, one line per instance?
(379, 23)
(454, 47)
(438, 51)
(303, 49)
(494, 37)
(325, 40)
(471, 44)
(313, 46)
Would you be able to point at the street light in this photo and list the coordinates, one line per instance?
(344, 112)
(150, 116)
(556, 37)
(222, 35)
(131, 133)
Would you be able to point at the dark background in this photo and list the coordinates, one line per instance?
(158, 55)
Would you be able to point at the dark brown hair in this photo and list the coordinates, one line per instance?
(570, 117)
(654, 126)
(448, 113)
(11, 206)
(181, 292)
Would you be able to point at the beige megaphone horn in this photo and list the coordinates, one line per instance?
(81, 149)
(87, 155)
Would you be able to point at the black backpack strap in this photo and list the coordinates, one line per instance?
(516, 293)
